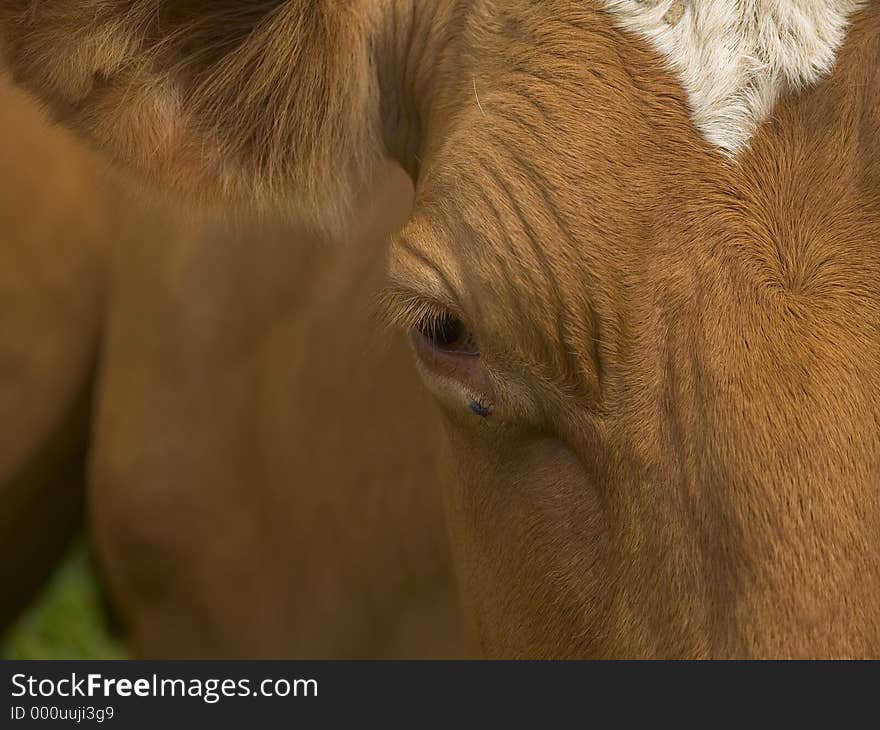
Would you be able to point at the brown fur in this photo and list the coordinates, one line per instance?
(233, 365)
(683, 457)
(263, 478)
(50, 316)
(200, 95)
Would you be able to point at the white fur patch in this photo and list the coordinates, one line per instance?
(735, 57)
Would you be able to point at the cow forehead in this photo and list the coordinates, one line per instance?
(735, 57)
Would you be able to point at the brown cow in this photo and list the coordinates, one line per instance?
(642, 276)
(55, 220)
(248, 496)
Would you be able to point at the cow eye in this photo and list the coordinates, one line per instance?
(447, 333)
(449, 354)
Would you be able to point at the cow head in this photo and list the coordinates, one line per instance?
(642, 276)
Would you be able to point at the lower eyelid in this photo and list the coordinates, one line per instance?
(465, 369)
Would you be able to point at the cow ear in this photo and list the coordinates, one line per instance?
(262, 101)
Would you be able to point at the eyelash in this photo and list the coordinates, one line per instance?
(448, 333)
(402, 308)
(435, 322)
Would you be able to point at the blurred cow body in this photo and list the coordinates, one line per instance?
(56, 222)
(256, 455)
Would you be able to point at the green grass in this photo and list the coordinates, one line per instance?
(67, 620)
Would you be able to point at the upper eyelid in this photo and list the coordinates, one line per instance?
(416, 286)
(400, 305)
